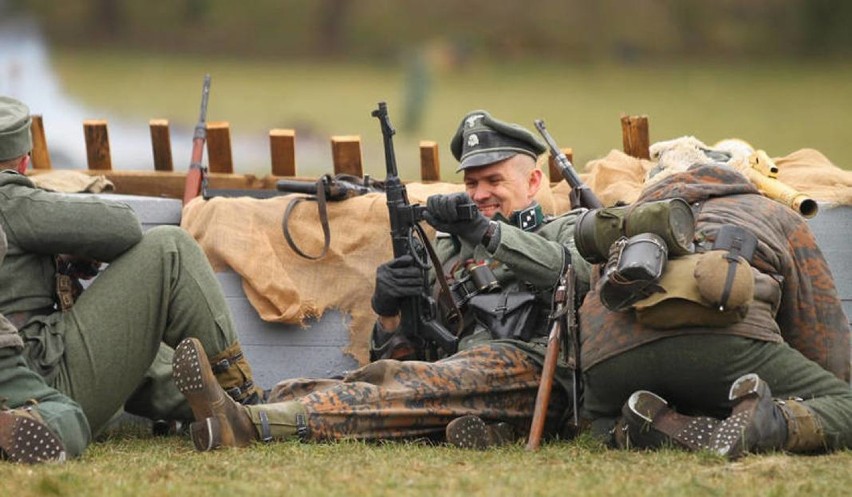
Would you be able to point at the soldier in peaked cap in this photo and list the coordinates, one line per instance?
(66, 366)
(484, 393)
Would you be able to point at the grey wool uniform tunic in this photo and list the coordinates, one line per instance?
(113, 348)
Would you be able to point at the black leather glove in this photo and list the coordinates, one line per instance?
(442, 214)
(395, 280)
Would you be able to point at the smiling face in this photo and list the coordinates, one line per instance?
(504, 186)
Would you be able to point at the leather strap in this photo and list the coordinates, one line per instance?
(323, 215)
(453, 313)
(265, 431)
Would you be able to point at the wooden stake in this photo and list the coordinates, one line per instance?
(430, 163)
(40, 155)
(282, 150)
(346, 155)
(97, 144)
(634, 134)
(219, 155)
(161, 144)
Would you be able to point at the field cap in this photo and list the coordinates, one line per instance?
(15, 138)
(482, 140)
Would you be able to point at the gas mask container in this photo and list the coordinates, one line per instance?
(672, 220)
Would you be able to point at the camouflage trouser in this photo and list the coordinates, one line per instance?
(393, 399)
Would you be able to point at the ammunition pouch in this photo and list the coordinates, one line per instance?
(635, 265)
(672, 220)
(507, 314)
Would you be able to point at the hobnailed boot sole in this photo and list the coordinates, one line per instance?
(26, 440)
(219, 420)
(471, 432)
(652, 424)
(738, 434)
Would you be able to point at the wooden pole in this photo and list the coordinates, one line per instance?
(161, 144)
(553, 168)
(430, 163)
(97, 144)
(282, 150)
(40, 155)
(219, 155)
(634, 134)
(346, 155)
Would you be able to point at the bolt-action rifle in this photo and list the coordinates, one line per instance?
(195, 175)
(563, 316)
(581, 194)
(419, 315)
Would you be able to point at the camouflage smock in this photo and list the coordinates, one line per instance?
(809, 315)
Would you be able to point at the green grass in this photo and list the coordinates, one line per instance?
(780, 106)
(137, 465)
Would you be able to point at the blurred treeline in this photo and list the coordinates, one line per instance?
(459, 30)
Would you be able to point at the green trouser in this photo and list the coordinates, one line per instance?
(108, 350)
(694, 374)
(19, 384)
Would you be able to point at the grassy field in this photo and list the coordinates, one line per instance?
(136, 465)
(780, 107)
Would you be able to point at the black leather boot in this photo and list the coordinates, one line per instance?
(648, 422)
(756, 423)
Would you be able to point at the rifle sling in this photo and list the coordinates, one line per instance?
(323, 215)
(454, 314)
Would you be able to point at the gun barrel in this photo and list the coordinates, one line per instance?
(293, 186)
(581, 192)
(195, 176)
(205, 94)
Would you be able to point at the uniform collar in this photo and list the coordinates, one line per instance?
(528, 219)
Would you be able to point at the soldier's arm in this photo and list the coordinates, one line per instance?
(51, 223)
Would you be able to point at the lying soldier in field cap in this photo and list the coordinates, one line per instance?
(76, 363)
(483, 394)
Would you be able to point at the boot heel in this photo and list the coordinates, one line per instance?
(746, 385)
(206, 434)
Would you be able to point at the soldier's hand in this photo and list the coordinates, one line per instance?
(396, 280)
(443, 214)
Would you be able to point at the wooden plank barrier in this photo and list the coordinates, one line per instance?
(40, 155)
(634, 136)
(430, 163)
(161, 144)
(97, 144)
(219, 157)
(282, 151)
(346, 155)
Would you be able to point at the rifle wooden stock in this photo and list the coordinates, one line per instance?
(763, 172)
(195, 175)
(563, 297)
